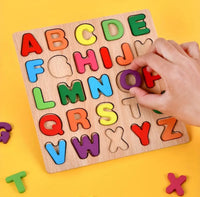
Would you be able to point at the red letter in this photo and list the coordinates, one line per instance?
(149, 78)
(29, 45)
(143, 132)
(55, 128)
(105, 55)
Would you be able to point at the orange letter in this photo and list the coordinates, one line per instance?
(56, 39)
(78, 116)
(128, 56)
(168, 132)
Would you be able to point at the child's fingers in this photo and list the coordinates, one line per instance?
(149, 69)
(154, 61)
(152, 101)
(192, 49)
(178, 47)
(167, 50)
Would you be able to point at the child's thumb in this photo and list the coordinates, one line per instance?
(146, 99)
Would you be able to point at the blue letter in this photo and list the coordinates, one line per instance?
(96, 86)
(59, 158)
(32, 70)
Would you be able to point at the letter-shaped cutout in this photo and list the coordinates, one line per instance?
(105, 55)
(78, 116)
(123, 79)
(73, 93)
(108, 32)
(56, 39)
(96, 86)
(149, 78)
(87, 145)
(108, 116)
(168, 132)
(33, 67)
(142, 47)
(57, 156)
(142, 132)
(133, 105)
(79, 33)
(128, 55)
(59, 67)
(81, 62)
(39, 101)
(138, 25)
(51, 129)
(29, 45)
(116, 139)
(17, 179)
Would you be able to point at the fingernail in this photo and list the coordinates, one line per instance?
(132, 91)
(149, 69)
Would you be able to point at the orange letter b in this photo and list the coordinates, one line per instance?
(56, 39)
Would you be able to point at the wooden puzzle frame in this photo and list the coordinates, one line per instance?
(77, 77)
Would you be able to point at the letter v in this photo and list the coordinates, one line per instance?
(58, 157)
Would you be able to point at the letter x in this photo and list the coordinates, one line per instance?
(116, 140)
(175, 184)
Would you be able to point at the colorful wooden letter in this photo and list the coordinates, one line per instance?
(5, 135)
(142, 132)
(17, 179)
(59, 158)
(86, 145)
(175, 184)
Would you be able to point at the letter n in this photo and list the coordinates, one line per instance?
(97, 87)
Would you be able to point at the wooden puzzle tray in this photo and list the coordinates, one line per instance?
(77, 77)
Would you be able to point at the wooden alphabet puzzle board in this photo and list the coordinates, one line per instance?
(77, 77)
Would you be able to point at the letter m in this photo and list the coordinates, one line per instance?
(72, 94)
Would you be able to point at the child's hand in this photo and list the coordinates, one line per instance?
(179, 67)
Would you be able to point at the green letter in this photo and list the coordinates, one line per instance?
(107, 33)
(17, 179)
(138, 25)
(72, 93)
(39, 101)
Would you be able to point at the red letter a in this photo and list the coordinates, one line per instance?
(29, 45)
